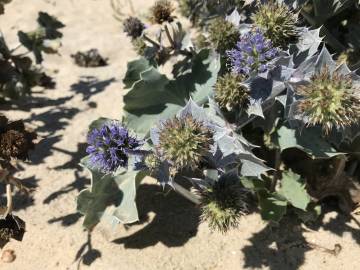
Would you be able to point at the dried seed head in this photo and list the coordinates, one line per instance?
(184, 142)
(223, 35)
(161, 12)
(223, 204)
(277, 22)
(15, 140)
(230, 93)
(133, 27)
(329, 100)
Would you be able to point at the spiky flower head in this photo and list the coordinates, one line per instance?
(230, 92)
(253, 53)
(223, 35)
(133, 27)
(15, 140)
(329, 100)
(277, 22)
(110, 145)
(161, 12)
(223, 203)
(184, 142)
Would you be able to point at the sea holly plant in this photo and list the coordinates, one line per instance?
(261, 115)
(18, 73)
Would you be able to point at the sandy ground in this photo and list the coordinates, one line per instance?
(169, 235)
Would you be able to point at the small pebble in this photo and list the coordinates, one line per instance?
(8, 256)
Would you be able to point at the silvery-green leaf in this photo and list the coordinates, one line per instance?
(134, 70)
(108, 190)
(307, 45)
(191, 108)
(293, 189)
(325, 60)
(154, 97)
(308, 140)
(253, 166)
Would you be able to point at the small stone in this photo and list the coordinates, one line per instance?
(8, 256)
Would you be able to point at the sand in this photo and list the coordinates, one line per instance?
(169, 235)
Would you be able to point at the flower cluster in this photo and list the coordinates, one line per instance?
(253, 53)
(110, 146)
(184, 142)
(330, 100)
(230, 92)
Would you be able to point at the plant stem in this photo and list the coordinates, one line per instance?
(277, 172)
(186, 193)
(9, 201)
(151, 41)
(169, 37)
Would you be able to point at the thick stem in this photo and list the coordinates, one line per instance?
(186, 193)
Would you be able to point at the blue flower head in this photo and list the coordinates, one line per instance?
(110, 146)
(253, 53)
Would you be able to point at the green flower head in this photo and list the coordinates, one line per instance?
(277, 22)
(230, 92)
(330, 99)
(223, 203)
(184, 142)
(223, 35)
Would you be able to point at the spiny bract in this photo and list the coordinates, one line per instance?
(329, 100)
(277, 22)
(184, 142)
(162, 12)
(223, 35)
(223, 203)
(230, 92)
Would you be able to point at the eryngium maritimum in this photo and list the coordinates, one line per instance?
(109, 146)
(329, 100)
(253, 53)
(223, 204)
(184, 142)
(230, 93)
(277, 22)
